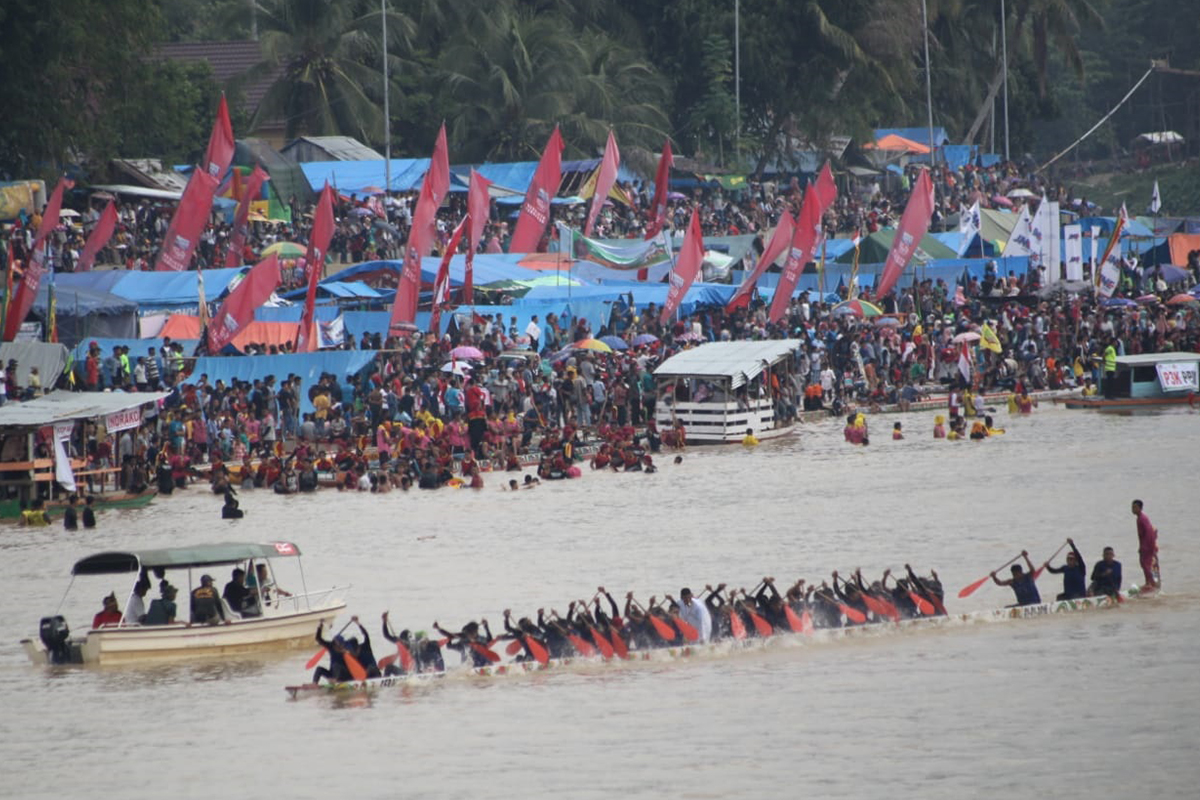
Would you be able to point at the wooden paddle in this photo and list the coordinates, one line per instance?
(513, 648)
(923, 605)
(806, 623)
(580, 644)
(486, 653)
(969, 589)
(602, 642)
(316, 659)
(1037, 572)
(662, 628)
(794, 622)
(852, 614)
(736, 626)
(618, 643)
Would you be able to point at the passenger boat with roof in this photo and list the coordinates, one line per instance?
(273, 617)
(719, 390)
(1148, 380)
(727, 645)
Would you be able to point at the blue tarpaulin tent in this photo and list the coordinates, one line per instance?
(352, 177)
(152, 290)
(82, 312)
(309, 366)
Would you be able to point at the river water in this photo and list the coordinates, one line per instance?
(1102, 704)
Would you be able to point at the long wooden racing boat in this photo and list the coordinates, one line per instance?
(724, 645)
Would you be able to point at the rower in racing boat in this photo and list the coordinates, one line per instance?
(362, 650)
(399, 666)
(771, 605)
(900, 597)
(849, 594)
(1022, 583)
(826, 610)
(928, 588)
(1074, 574)
(554, 634)
(694, 613)
(523, 632)
(1106, 575)
(337, 671)
(468, 642)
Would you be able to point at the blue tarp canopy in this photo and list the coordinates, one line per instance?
(489, 267)
(351, 177)
(919, 135)
(151, 290)
(309, 366)
(1106, 225)
(515, 176)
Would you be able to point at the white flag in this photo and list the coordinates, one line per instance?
(1110, 271)
(1020, 241)
(968, 226)
(1155, 200)
(332, 333)
(62, 462)
(1073, 245)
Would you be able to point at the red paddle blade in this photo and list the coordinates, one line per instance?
(806, 624)
(585, 649)
(316, 659)
(689, 632)
(618, 643)
(793, 621)
(406, 659)
(386, 661)
(664, 630)
(1038, 572)
(967, 591)
(483, 651)
(761, 625)
(923, 605)
(853, 614)
(888, 609)
(602, 643)
(872, 605)
(513, 648)
(356, 669)
(736, 626)
(539, 652)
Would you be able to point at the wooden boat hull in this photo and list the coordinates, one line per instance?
(724, 645)
(144, 643)
(11, 509)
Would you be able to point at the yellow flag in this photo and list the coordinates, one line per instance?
(988, 339)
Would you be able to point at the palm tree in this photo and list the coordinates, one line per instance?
(329, 61)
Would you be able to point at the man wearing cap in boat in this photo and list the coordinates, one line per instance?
(1022, 583)
(110, 615)
(206, 603)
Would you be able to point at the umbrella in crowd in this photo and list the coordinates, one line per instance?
(1117, 302)
(591, 344)
(966, 336)
(1182, 299)
(466, 351)
(459, 368)
(857, 308)
(643, 339)
(284, 250)
(688, 336)
(1169, 272)
(615, 342)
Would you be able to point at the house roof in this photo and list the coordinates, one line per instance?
(338, 148)
(228, 60)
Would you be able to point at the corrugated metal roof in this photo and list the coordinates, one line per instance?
(61, 406)
(737, 361)
(338, 148)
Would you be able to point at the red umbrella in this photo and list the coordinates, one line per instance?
(1182, 299)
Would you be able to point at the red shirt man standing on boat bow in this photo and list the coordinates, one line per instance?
(1147, 545)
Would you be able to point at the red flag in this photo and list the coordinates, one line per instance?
(314, 259)
(421, 235)
(817, 198)
(914, 224)
(239, 307)
(36, 266)
(780, 240)
(687, 267)
(662, 180)
(241, 220)
(535, 211)
(183, 234)
(99, 237)
(441, 286)
(478, 206)
(604, 181)
(219, 154)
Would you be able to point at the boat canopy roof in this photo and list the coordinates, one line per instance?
(201, 555)
(737, 362)
(61, 406)
(1150, 359)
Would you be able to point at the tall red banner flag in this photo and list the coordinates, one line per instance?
(238, 309)
(687, 267)
(32, 278)
(605, 179)
(105, 227)
(535, 211)
(478, 205)
(817, 199)
(314, 260)
(219, 154)
(241, 220)
(183, 234)
(441, 285)
(662, 180)
(914, 224)
(781, 239)
(421, 236)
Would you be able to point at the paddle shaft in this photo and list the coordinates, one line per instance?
(316, 659)
(967, 591)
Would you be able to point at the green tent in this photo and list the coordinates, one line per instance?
(874, 249)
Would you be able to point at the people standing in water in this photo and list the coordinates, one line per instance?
(1147, 545)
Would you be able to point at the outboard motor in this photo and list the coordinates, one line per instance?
(55, 634)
